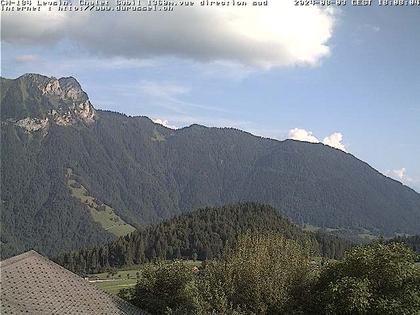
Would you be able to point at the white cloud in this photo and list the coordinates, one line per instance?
(58, 66)
(185, 120)
(26, 58)
(280, 34)
(167, 95)
(34, 27)
(400, 175)
(334, 140)
(114, 63)
(162, 90)
(302, 135)
(369, 28)
(225, 69)
(164, 122)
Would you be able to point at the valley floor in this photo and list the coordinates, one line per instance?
(114, 281)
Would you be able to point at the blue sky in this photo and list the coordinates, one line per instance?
(357, 82)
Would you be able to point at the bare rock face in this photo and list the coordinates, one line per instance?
(52, 88)
(33, 124)
(52, 101)
(85, 111)
(78, 112)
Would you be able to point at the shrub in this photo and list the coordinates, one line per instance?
(374, 279)
(261, 274)
(164, 287)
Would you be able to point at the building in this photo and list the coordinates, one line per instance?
(33, 284)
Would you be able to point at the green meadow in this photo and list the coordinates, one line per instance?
(101, 213)
(114, 281)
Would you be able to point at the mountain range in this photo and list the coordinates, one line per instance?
(75, 176)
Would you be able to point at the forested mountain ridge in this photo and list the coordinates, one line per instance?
(203, 234)
(147, 172)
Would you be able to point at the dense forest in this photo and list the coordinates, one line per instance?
(148, 173)
(204, 234)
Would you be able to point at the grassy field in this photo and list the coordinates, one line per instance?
(360, 234)
(114, 287)
(123, 278)
(101, 213)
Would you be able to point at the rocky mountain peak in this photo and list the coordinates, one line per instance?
(34, 101)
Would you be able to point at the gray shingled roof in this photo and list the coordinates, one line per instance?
(32, 284)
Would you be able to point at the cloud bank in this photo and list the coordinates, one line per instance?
(280, 34)
(334, 140)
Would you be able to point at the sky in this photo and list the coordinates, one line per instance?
(345, 76)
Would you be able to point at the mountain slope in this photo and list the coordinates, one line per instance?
(202, 234)
(147, 172)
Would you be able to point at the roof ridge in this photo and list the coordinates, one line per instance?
(17, 258)
(39, 285)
